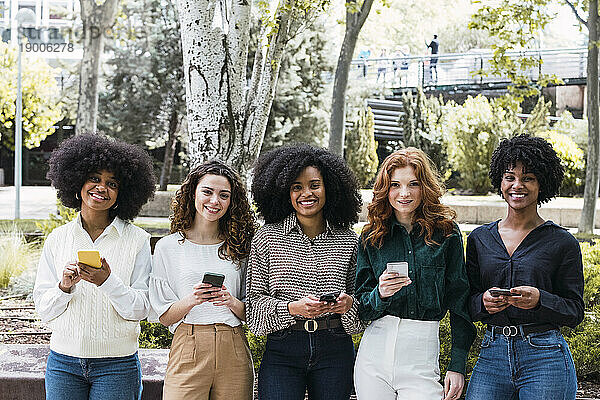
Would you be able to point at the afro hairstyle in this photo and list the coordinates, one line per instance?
(276, 170)
(538, 157)
(77, 157)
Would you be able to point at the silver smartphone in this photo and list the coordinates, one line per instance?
(400, 267)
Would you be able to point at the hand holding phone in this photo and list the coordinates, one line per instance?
(330, 297)
(90, 257)
(399, 267)
(495, 292)
(214, 279)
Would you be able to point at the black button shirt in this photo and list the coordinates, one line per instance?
(548, 258)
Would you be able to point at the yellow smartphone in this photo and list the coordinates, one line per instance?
(89, 257)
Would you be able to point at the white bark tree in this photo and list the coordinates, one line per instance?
(97, 19)
(227, 114)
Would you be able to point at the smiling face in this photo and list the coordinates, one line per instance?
(405, 194)
(99, 191)
(213, 196)
(307, 193)
(519, 189)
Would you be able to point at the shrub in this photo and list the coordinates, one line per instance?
(473, 131)
(16, 255)
(360, 147)
(62, 216)
(572, 160)
(257, 347)
(421, 120)
(154, 335)
(584, 342)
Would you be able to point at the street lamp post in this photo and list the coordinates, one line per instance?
(25, 16)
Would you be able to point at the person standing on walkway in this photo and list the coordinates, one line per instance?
(434, 45)
(410, 272)
(301, 274)
(94, 312)
(526, 279)
(211, 230)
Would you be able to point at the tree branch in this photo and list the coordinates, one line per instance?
(575, 12)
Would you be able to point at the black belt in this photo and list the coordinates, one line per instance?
(515, 330)
(312, 325)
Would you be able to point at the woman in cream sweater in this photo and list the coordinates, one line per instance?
(94, 313)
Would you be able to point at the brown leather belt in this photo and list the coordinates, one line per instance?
(312, 325)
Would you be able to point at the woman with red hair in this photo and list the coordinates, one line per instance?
(410, 272)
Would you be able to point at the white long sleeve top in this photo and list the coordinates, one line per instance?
(177, 266)
(95, 321)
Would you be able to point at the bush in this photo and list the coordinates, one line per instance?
(421, 128)
(572, 160)
(62, 216)
(16, 255)
(473, 131)
(584, 342)
(154, 335)
(360, 147)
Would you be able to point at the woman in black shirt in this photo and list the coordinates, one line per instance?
(523, 355)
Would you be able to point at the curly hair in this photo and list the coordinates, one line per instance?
(79, 156)
(430, 215)
(238, 224)
(538, 157)
(276, 170)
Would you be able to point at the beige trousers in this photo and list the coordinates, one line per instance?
(209, 362)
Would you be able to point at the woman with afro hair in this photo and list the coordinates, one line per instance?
(94, 311)
(301, 274)
(211, 229)
(526, 278)
(410, 273)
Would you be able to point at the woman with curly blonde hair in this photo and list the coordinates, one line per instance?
(410, 272)
(197, 286)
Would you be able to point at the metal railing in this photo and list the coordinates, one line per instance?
(462, 68)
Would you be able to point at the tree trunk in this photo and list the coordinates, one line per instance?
(354, 23)
(226, 120)
(588, 213)
(165, 172)
(96, 20)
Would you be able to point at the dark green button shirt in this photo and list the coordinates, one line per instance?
(439, 283)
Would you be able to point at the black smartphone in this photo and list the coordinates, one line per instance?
(502, 292)
(330, 297)
(216, 280)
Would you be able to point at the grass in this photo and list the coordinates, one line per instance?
(16, 255)
(22, 225)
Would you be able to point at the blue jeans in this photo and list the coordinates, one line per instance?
(73, 378)
(538, 366)
(295, 361)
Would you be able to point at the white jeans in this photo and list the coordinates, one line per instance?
(399, 359)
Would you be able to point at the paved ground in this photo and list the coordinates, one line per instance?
(39, 201)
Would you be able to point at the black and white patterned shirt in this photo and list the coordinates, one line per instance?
(285, 265)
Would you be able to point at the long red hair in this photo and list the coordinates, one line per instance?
(430, 215)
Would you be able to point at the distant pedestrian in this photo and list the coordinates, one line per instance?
(364, 55)
(382, 65)
(435, 47)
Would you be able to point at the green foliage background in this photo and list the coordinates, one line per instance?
(42, 107)
(360, 147)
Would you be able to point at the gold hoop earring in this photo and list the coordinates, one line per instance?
(77, 196)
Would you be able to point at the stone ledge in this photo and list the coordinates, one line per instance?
(22, 368)
(469, 209)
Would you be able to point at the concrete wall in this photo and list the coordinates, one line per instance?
(469, 209)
